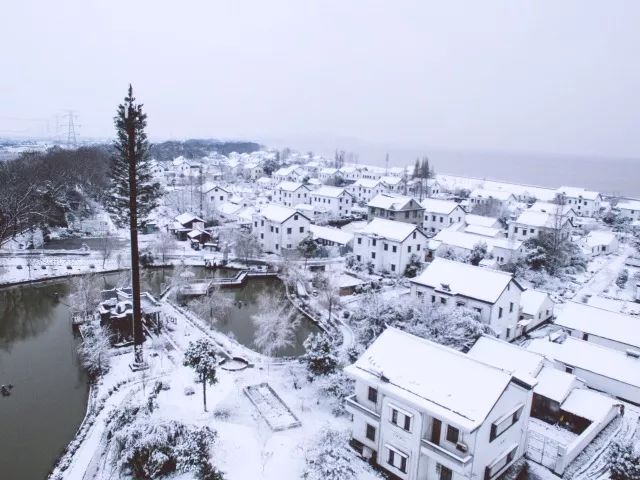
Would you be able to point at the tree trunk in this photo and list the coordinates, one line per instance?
(204, 392)
(138, 335)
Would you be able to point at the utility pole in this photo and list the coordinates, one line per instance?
(138, 334)
(72, 140)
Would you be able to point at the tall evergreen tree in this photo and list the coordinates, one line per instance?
(131, 117)
(132, 196)
(425, 172)
(416, 169)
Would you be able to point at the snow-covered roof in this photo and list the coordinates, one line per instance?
(468, 240)
(576, 192)
(434, 205)
(208, 186)
(555, 384)
(588, 404)
(331, 234)
(465, 279)
(540, 219)
(290, 186)
(501, 195)
(629, 205)
(278, 213)
(391, 181)
(595, 238)
(366, 183)
(589, 356)
(390, 229)
(433, 377)
(333, 192)
(389, 201)
(187, 217)
(481, 220)
(328, 171)
(506, 356)
(229, 208)
(531, 301)
(603, 323)
(483, 231)
(552, 208)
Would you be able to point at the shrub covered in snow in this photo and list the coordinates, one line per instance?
(337, 386)
(622, 279)
(330, 458)
(94, 351)
(320, 355)
(456, 327)
(624, 461)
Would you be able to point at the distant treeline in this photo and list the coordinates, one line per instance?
(41, 188)
(195, 148)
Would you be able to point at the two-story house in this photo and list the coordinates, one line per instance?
(395, 207)
(440, 214)
(290, 194)
(493, 294)
(389, 245)
(531, 223)
(363, 190)
(214, 195)
(629, 209)
(279, 228)
(334, 201)
(501, 198)
(586, 203)
(423, 411)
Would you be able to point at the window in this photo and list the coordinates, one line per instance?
(358, 258)
(372, 395)
(288, 231)
(272, 228)
(359, 240)
(371, 432)
(409, 249)
(406, 214)
(277, 230)
(373, 254)
(397, 459)
(452, 434)
(386, 247)
(277, 246)
(414, 235)
(510, 307)
(500, 463)
(505, 422)
(499, 312)
(443, 300)
(373, 242)
(301, 229)
(445, 473)
(262, 236)
(393, 267)
(568, 369)
(418, 247)
(288, 245)
(401, 418)
(585, 337)
(394, 249)
(433, 299)
(508, 333)
(433, 218)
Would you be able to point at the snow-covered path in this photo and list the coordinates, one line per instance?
(606, 276)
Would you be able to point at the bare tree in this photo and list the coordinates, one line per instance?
(85, 295)
(107, 244)
(275, 324)
(164, 243)
(213, 305)
(329, 291)
(246, 245)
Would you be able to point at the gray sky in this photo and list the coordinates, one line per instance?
(544, 76)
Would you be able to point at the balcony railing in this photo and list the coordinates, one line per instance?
(352, 404)
(461, 459)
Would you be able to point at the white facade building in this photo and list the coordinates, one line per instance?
(363, 190)
(423, 411)
(440, 214)
(279, 228)
(389, 245)
(335, 201)
(493, 294)
(536, 307)
(629, 209)
(396, 207)
(530, 223)
(586, 203)
(215, 195)
(290, 194)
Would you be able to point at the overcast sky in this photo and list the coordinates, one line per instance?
(544, 76)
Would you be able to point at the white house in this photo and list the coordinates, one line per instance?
(396, 207)
(629, 209)
(493, 294)
(601, 368)
(291, 193)
(586, 203)
(597, 325)
(555, 209)
(389, 245)
(363, 190)
(252, 170)
(502, 198)
(327, 174)
(440, 214)
(600, 242)
(292, 173)
(335, 201)
(481, 221)
(502, 250)
(537, 307)
(331, 237)
(530, 223)
(215, 195)
(392, 184)
(425, 411)
(279, 228)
